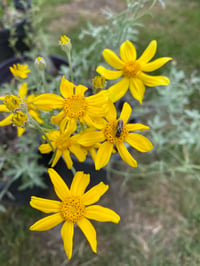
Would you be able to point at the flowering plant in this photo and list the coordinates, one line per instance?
(83, 122)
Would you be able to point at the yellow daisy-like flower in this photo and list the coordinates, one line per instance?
(12, 103)
(75, 106)
(20, 71)
(132, 70)
(114, 133)
(75, 207)
(64, 144)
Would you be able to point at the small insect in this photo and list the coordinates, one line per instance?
(119, 128)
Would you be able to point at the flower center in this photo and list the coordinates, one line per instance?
(63, 142)
(19, 119)
(75, 106)
(12, 102)
(114, 134)
(131, 69)
(72, 209)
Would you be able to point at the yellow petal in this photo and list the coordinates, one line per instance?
(79, 152)
(79, 183)
(155, 64)
(45, 205)
(94, 194)
(61, 189)
(48, 101)
(128, 51)
(80, 90)
(89, 232)
(45, 148)
(101, 214)
(3, 108)
(20, 131)
(67, 159)
(118, 90)
(67, 233)
(112, 112)
(57, 155)
(35, 115)
(66, 88)
(125, 155)
(56, 119)
(136, 126)
(153, 81)
(125, 113)
(149, 53)
(112, 59)
(103, 155)
(139, 142)
(6, 121)
(137, 89)
(108, 74)
(89, 138)
(23, 90)
(47, 223)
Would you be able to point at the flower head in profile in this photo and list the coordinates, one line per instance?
(132, 71)
(20, 71)
(73, 104)
(13, 103)
(75, 207)
(63, 144)
(65, 43)
(115, 133)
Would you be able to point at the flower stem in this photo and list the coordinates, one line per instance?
(70, 65)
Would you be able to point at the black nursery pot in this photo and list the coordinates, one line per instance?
(5, 50)
(22, 197)
(19, 4)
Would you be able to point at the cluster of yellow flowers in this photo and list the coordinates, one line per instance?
(85, 123)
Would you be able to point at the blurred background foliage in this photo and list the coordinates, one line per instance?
(159, 201)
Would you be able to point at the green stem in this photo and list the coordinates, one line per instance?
(44, 81)
(70, 65)
(73, 170)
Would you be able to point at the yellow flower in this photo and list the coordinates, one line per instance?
(75, 106)
(20, 71)
(98, 83)
(114, 133)
(132, 70)
(19, 119)
(74, 208)
(13, 103)
(64, 144)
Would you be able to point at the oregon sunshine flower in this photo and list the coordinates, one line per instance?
(132, 70)
(63, 144)
(75, 106)
(74, 208)
(20, 71)
(13, 103)
(115, 132)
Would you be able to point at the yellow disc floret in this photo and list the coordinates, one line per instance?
(19, 119)
(75, 106)
(110, 132)
(12, 102)
(131, 69)
(72, 209)
(63, 142)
